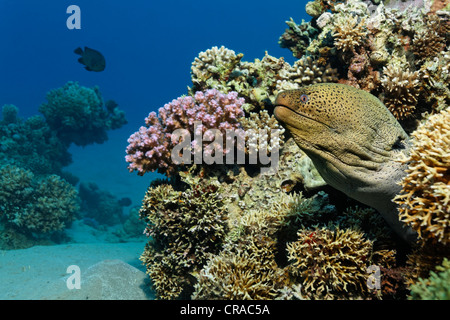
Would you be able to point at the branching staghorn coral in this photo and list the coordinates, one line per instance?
(424, 202)
(185, 227)
(330, 263)
(402, 89)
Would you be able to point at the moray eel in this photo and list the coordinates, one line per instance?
(353, 141)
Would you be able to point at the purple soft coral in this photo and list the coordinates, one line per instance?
(150, 148)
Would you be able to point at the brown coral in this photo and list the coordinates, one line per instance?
(430, 40)
(185, 227)
(349, 33)
(330, 262)
(304, 72)
(240, 275)
(424, 202)
(402, 88)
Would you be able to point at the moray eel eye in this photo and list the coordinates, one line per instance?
(304, 98)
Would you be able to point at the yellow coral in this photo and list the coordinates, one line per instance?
(240, 275)
(330, 262)
(304, 72)
(349, 33)
(402, 89)
(425, 197)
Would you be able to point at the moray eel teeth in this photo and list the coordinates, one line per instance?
(353, 141)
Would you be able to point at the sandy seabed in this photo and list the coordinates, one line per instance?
(107, 271)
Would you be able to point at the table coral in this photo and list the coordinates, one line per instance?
(424, 202)
(150, 148)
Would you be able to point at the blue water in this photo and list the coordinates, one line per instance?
(149, 47)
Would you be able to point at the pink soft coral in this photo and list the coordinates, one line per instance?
(150, 148)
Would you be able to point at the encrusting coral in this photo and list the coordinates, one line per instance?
(424, 202)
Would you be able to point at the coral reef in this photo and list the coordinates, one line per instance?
(257, 82)
(77, 114)
(99, 204)
(365, 37)
(304, 72)
(150, 148)
(240, 276)
(232, 232)
(31, 144)
(436, 287)
(185, 227)
(349, 33)
(33, 204)
(424, 201)
(401, 87)
(330, 262)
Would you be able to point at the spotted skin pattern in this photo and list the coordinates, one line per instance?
(353, 140)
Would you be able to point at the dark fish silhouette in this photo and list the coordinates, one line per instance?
(92, 59)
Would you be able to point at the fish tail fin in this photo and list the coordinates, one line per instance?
(78, 51)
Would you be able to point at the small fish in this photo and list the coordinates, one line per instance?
(92, 59)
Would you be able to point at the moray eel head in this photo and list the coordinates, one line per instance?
(352, 139)
(344, 130)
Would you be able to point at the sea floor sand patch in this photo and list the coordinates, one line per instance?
(40, 272)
